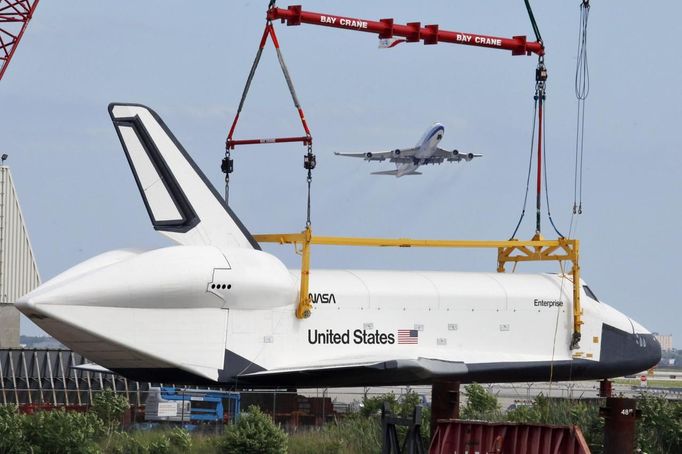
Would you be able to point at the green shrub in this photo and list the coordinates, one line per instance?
(59, 431)
(109, 407)
(480, 404)
(659, 430)
(12, 439)
(254, 433)
(372, 406)
(124, 443)
(400, 406)
(160, 445)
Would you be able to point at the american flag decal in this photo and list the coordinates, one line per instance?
(408, 336)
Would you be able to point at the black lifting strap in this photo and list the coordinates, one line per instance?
(227, 167)
(309, 163)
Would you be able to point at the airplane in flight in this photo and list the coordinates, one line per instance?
(216, 309)
(408, 160)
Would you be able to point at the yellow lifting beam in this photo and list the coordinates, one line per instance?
(536, 249)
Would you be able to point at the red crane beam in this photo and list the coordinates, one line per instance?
(412, 31)
(14, 17)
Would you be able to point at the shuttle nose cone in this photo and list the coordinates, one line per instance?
(624, 353)
(40, 304)
(26, 305)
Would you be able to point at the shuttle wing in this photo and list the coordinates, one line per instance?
(181, 202)
(404, 370)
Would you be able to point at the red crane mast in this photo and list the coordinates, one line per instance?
(14, 17)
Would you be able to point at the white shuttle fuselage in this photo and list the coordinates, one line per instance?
(217, 309)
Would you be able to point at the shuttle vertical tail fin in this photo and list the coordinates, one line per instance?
(181, 202)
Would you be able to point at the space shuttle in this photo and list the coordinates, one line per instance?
(216, 309)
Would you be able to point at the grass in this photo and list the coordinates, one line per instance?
(673, 384)
(202, 443)
(352, 435)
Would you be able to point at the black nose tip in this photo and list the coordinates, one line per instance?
(624, 353)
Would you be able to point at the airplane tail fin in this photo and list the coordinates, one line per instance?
(395, 173)
(181, 202)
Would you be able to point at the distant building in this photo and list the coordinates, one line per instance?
(18, 270)
(666, 341)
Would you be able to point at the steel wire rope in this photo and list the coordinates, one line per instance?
(534, 24)
(544, 148)
(530, 169)
(582, 90)
(556, 330)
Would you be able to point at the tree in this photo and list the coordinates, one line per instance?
(109, 407)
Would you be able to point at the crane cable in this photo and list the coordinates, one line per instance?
(538, 38)
(540, 90)
(582, 90)
(534, 24)
(539, 93)
(549, 212)
(530, 169)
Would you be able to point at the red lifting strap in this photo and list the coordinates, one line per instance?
(307, 139)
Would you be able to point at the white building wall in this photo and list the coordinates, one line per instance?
(18, 270)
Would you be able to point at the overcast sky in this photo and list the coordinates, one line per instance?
(189, 61)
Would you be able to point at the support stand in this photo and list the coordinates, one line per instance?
(605, 388)
(444, 402)
(413, 443)
(620, 417)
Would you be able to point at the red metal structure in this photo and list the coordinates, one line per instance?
(432, 34)
(307, 139)
(14, 17)
(458, 436)
(385, 28)
(412, 31)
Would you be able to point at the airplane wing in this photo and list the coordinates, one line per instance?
(394, 173)
(92, 367)
(412, 370)
(451, 156)
(398, 155)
